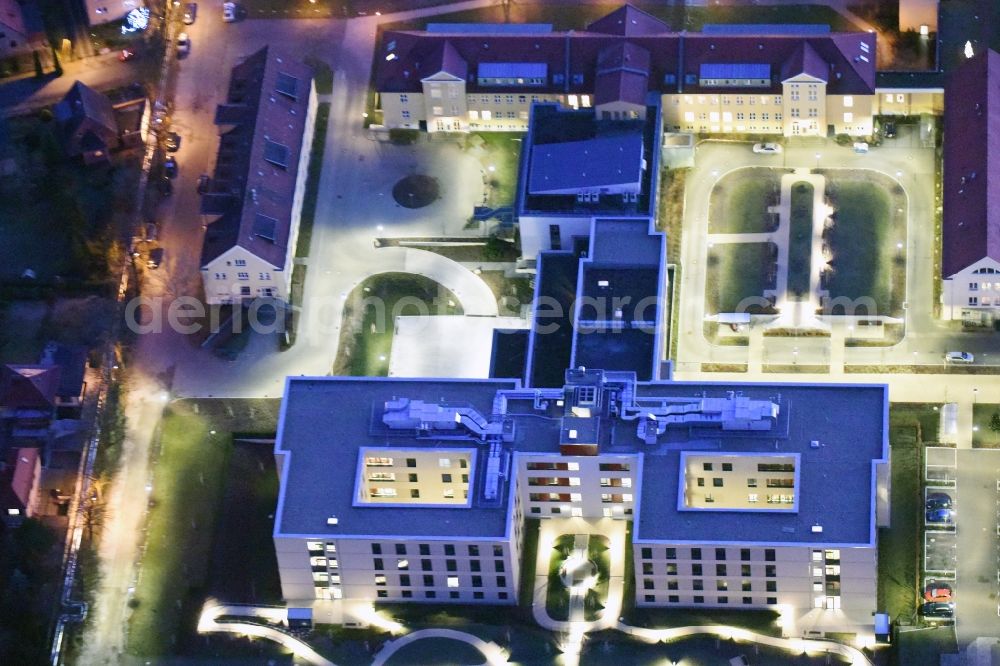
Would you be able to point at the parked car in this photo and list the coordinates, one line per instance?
(937, 592)
(959, 357)
(860, 147)
(183, 44)
(889, 130)
(165, 186)
(126, 55)
(190, 13)
(938, 501)
(228, 12)
(155, 258)
(938, 609)
(173, 142)
(203, 182)
(152, 231)
(170, 167)
(766, 148)
(940, 516)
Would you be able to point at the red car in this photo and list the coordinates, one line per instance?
(937, 592)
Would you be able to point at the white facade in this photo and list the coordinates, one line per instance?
(973, 291)
(105, 11)
(240, 275)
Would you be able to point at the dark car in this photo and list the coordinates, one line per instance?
(889, 129)
(190, 13)
(203, 182)
(170, 167)
(937, 591)
(939, 501)
(173, 142)
(165, 186)
(941, 516)
(938, 609)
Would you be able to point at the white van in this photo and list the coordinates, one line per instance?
(861, 147)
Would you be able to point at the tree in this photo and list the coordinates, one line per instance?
(995, 423)
(39, 72)
(58, 65)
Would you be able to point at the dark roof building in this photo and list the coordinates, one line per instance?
(266, 128)
(971, 184)
(88, 124)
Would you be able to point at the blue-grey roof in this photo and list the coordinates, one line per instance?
(590, 164)
(765, 29)
(513, 70)
(836, 480)
(490, 28)
(734, 71)
(324, 423)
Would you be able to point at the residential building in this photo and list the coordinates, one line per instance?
(921, 16)
(970, 257)
(93, 125)
(106, 11)
(576, 167)
(761, 79)
(19, 476)
(254, 202)
(21, 28)
(27, 401)
(740, 495)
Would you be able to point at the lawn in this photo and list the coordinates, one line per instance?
(866, 263)
(800, 235)
(609, 647)
(499, 153)
(760, 621)
(312, 181)
(370, 315)
(191, 486)
(437, 651)
(738, 272)
(739, 202)
(557, 594)
(910, 426)
(986, 426)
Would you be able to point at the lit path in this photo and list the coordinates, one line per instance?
(493, 653)
(209, 623)
(796, 645)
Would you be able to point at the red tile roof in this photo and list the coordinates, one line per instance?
(572, 58)
(971, 215)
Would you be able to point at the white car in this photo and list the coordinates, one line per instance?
(228, 12)
(183, 44)
(959, 357)
(861, 147)
(766, 148)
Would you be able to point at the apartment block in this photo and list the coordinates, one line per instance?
(740, 496)
(765, 79)
(253, 202)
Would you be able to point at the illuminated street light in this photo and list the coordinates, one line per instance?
(968, 50)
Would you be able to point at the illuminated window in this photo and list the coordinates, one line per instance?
(689, 116)
(452, 581)
(848, 101)
(848, 117)
(444, 462)
(473, 114)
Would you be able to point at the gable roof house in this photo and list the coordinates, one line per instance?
(92, 125)
(254, 201)
(970, 254)
(27, 401)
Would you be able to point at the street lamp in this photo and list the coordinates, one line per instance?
(818, 155)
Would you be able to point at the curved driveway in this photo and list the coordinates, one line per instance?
(492, 652)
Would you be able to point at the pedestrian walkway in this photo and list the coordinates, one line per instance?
(493, 653)
(211, 622)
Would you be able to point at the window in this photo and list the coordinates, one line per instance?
(382, 594)
(747, 586)
(723, 600)
(444, 462)
(701, 482)
(451, 565)
(449, 549)
(717, 482)
(728, 467)
(900, 98)
(751, 483)
(426, 565)
(848, 117)
(406, 114)
(376, 549)
(501, 581)
(671, 569)
(404, 580)
(220, 276)
(772, 586)
(446, 478)
(973, 300)
(770, 571)
(769, 553)
(696, 553)
(448, 493)
(698, 585)
(720, 553)
(243, 276)
(721, 585)
(380, 579)
(695, 569)
(377, 564)
(671, 553)
(745, 570)
(498, 565)
(707, 467)
(401, 549)
(699, 599)
(265, 277)
(745, 554)
(720, 569)
(477, 581)
(647, 553)
(647, 568)
(647, 584)
(772, 601)
(411, 462)
(403, 564)
(452, 581)
(425, 549)
(239, 262)
(475, 565)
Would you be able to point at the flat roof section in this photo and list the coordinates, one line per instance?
(424, 346)
(552, 336)
(325, 422)
(835, 477)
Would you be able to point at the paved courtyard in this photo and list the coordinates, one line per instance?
(978, 547)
